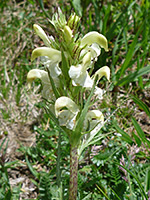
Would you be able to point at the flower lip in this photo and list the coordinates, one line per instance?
(80, 76)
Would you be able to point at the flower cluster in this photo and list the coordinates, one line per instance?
(68, 62)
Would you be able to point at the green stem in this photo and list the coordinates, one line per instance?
(58, 172)
(73, 185)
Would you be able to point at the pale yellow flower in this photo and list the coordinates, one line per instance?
(93, 121)
(94, 37)
(47, 91)
(66, 110)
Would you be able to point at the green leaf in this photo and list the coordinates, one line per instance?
(56, 93)
(65, 69)
(137, 139)
(42, 6)
(143, 193)
(76, 134)
(77, 6)
(131, 52)
(147, 180)
(132, 76)
(141, 104)
(33, 171)
(58, 170)
(140, 132)
(125, 136)
(79, 125)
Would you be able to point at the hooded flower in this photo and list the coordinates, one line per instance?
(94, 37)
(103, 71)
(33, 74)
(93, 121)
(53, 54)
(66, 110)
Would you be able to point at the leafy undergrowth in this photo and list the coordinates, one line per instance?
(117, 165)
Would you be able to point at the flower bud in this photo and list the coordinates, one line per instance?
(73, 21)
(67, 33)
(40, 32)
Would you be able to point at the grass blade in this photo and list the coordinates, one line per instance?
(136, 178)
(137, 139)
(133, 76)
(147, 180)
(103, 192)
(33, 171)
(141, 105)
(140, 132)
(131, 52)
(2, 143)
(77, 6)
(111, 32)
(42, 7)
(125, 136)
(115, 193)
